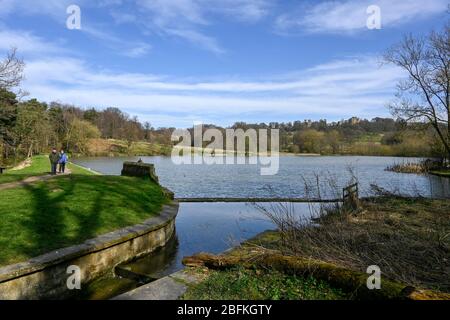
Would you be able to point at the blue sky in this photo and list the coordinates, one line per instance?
(176, 62)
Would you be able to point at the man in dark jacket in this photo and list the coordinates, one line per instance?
(54, 158)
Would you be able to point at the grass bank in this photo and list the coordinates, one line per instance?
(38, 166)
(67, 210)
(247, 284)
(116, 148)
(409, 239)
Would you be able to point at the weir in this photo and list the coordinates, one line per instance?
(299, 200)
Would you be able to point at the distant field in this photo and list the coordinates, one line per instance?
(113, 147)
(371, 137)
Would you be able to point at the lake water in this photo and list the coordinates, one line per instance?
(215, 227)
(199, 227)
(209, 227)
(240, 181)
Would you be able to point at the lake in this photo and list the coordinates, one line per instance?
(215, 227)
(199, 227)
(240, 181)
(209, 227)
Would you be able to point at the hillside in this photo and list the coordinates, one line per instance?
(114, 147)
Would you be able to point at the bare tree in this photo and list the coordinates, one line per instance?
(424, 95)
(11, 70)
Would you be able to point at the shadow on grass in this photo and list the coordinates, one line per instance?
(71, 209)
(10, 177)
(46, 222)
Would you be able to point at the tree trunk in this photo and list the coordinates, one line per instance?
(448, 133)
(30, 151)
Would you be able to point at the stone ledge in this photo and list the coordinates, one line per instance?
(170, 287)
(11, 272)
(139, 169)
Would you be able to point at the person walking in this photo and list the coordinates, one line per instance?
(54, 159)
(63, 159)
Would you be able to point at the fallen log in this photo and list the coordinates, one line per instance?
(350, 281)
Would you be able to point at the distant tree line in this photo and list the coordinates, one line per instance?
(422, 109)
(354, 136)
(30, 127)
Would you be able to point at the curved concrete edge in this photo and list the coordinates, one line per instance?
(170, 287)
(26, 280)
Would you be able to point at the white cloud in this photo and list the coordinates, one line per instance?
(197, 38)
(198, 11)
(184, 19)
(351, 15)
(334, 90)
(187, 18)
(121, 17)
(54, 8)
(244, 10)
(26, 42)
(132, 49)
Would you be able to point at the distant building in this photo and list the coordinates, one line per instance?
(354, 120)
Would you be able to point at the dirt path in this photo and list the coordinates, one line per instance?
(24, 164)
(29, 180)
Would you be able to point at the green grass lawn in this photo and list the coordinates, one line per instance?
(245, 284)
(40, 165)
(68, 210)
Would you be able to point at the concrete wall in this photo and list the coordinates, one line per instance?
(139, 169)
(145, 171)
(45, 277)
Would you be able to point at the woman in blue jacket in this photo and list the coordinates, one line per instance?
(63, 159)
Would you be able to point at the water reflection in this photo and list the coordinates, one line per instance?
(208, 227)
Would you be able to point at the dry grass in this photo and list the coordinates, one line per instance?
(112, 147)
(409, 239)
(420, 167)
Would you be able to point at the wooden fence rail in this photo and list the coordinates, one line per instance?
(350, 196)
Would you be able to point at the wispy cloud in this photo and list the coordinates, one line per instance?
(185, 19)
(132, 49)
(243, 10)
(27, 42)
(56, 9)
(351, 15)
(338, 89)
(198, 38)
(189, 19)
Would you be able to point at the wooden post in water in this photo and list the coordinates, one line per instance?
(350, 197)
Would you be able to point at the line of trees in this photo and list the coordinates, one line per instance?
(30, 126)
(421, 107)
(378, 136)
